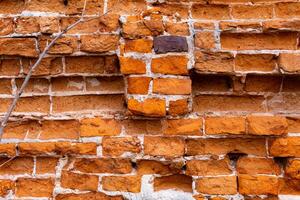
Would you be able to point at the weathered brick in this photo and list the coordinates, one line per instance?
(289, 62)
(287, 10)
(248, 185)
(119, 183)
(178, 107)
(157, 167)
(252, 11)
(59, 148)
(217, 83)
(138, 85)
(64, 45)
(140, 126)
(20, 165)
(49, 25)
(6, 186)
(254, 166)
(172, 86)
(255, 62)
(205, 40)
(135, 28)
(177, 182)
(240, 26)
(10, 67)
(6, 26)
(225, 125)
(208, 167)
(132, 66)
(5, 86)
(206, 103)
(285, 147)
(102, 165)
(178, 29)
(176, 65)
(22, 129)
(267, 125)
(224, 146)
(29, 187)
(48, 66)
(293, 169)
(253, 41)
(105, 103)
(62, 84)
(213, 61)
(18, 47)
(165, 44)
(68, 129)
(85, 64)
(89, 195)
(11, 7)
(164, 146)
(257, 83)
(46, 165)
(113, 84)
(289, 186)
(152, 107)
(218, 12)
(79, 181)
(35, 85)
(182, 127)
(27, 25)
(118, 146)
(99, 127)
(139, 45)
(218, 185)
(99, 43)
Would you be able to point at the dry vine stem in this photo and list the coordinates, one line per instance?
(36, 64)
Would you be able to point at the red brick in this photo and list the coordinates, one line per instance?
(265, 41)
(258, 83)
(177, 182)
(164, 146)
(5, 86)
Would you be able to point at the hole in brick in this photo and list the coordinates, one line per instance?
(235, 156)
(282, 161)
(183, 168)
(134, 165)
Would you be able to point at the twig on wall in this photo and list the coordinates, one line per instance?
(36, 64)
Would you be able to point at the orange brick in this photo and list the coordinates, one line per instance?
(118, 146)
(11, 7)
(99, 43)
(180, 29)
(248, 185)
(35, 85)
(8, 149)
(252, 12)
(216, 12)
(255, 62)
(111, 103)
(225, 125)
(32, 187)
(182, 127)
(218, 185)
(64, 45)
(164, 146)
(145, 127)
(289, 62)
(119, 183)
(18, 47)
(88, 195)
(285, 147)
(256, 83)
(226, 145)
(9, 67)
(6, 186)
(22, 129)
(205, 40)
(157, 167)
(6, 26)
(59, 148)
(103, 165)
(113, 84)
(176, 65)
(208, 167)
(254, 166)
(34, 104)
(5, 86)
(289, 186)
(132, 66)
(85, 64)
(213, 62)
(79, 181)
(287, 10)
(178, 107)
(177, 182)
(292, 169)
(63, 84)
(27, 25)
(266, 41)
(152, 107)
(99, 127)
(48, 66)
(267, 125)
(68, 129)
(139, 45)
(172, 86)
(46, 165)
(19, 165)
(138, 85)
(217, 83)
(206, 103)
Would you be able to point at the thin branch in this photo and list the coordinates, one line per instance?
(4, 163)
(36, 64)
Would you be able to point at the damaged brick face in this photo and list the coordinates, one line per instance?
(168, 99)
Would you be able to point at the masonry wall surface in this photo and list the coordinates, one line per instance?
(156, 99)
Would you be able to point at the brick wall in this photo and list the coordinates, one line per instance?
(171, 100)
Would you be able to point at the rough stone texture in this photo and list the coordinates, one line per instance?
(165, 44)
(156, 99)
